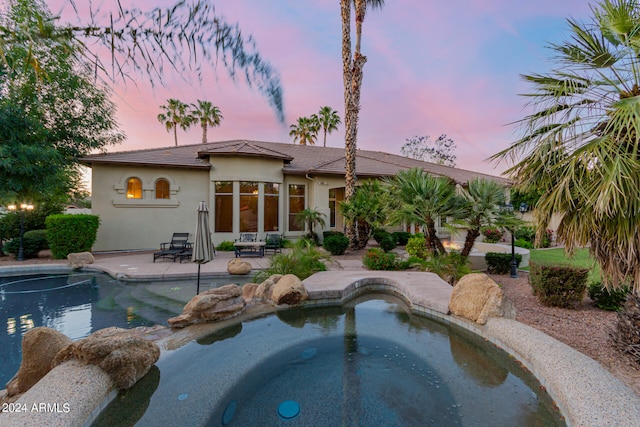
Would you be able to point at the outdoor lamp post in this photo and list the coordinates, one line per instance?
(23, 207)
(514, 265)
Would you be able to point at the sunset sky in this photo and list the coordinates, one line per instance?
(433, 67)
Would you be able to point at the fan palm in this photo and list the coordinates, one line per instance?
(176, 115)
(207, 115)
(328, 120)
(305, 131)
(352, 79)
(484, 199)
(580, 144)
(420, 199)
(308, 218)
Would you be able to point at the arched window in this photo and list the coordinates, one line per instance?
(162, 189)
(134, 188)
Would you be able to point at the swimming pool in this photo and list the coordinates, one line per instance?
(369, 362)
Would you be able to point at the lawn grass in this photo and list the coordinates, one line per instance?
(581, 258)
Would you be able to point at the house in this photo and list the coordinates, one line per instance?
(143, 196)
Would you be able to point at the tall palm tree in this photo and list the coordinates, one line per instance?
(420, 199)
(484, 199)
(352, 78)
(305, 131)
(328, 119)
(176, 115)
(207, 115)
(581, 143)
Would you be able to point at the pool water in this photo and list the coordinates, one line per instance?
(367, 363)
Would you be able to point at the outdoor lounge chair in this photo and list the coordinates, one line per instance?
(179, 244)
(273, 242)
(248, 244)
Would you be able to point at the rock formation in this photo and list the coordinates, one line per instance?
(79, 259)
(210, 306)
(477, 297)
(39, 348)
(122, 354)
(238, 267)
(288, 290)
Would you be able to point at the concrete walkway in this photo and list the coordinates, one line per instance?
(586, 393)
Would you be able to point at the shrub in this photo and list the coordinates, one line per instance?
(450, 267)
(608, 299)
(377, 259)
(336, 244)
(34, 242)
(491, 234)
(525, 233)
(500, 263)
(71, 233)
(548, 237)
(558, 285)
(417, 246)
(402, 237)
(329, 233)
(303, 261)
(411, 262)
(388, 243)
(225, 246)
(380, 234)
(33, 220)
(522, 243)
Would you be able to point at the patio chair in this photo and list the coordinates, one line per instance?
(273, 242)
(179, 244)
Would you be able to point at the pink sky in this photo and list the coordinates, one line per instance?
(433, 68)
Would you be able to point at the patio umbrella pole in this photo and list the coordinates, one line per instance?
(198, 282)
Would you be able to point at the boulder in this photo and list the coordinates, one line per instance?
(39, 347)
(210, 306)
(123, 354)
(288, 290)
(79, 259)
(263, 292)
(249, 292)
(477, 297)
(238, 267)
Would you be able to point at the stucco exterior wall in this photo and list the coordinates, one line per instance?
(147, 222)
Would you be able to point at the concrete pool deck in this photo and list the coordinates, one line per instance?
(585, 392)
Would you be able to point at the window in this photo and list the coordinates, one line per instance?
(224, 206)
(162, 189)
(134, 188)
(248, 207)
(336, 195)
(296, 204)
(271, 198)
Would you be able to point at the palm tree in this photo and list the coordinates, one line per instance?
(308, 218)
(352, 79)
(207, 115)
(176, 115)
(581, 143)
(365, 211)
(484, 199)
(328, 119)
(305, 131)
(420, 199)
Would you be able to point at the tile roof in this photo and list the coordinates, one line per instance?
(297, 159)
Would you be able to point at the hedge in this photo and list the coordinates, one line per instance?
(558, 285)
(71, 233)
(500, 263)
(34, 242)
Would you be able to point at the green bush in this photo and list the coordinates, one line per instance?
(71, 233)
(33, 220)
(608, 299)
(527, 233)
(522, 243)
(450, 267)
(500, 263)
(388, 243)
(329, 233)
(558, 285)
(377, 259)
(336, 244)
(491, 234)
(380, 234)
(417, 246)
(303, 260)
(411, 262)
(225, 246)
(402, 237)
(34, 242)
